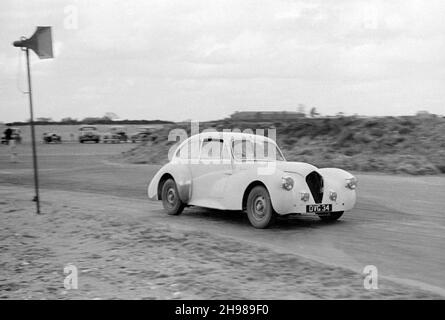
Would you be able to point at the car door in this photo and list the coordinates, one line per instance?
(210, 173)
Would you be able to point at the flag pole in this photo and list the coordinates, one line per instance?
(41, 43)
(33, 137)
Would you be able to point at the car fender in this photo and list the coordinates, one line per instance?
(285, 201)
(182, 176)
(241, 181)
(335, 179)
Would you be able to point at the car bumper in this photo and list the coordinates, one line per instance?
(288, 202)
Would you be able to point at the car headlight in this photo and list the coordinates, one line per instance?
(351, 183)
(287, 183)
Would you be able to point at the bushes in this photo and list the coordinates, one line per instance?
(405, 130)
(417, 165)
(438, 159)
(401, 164)
(345, 138)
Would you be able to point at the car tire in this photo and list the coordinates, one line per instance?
(170, 198)
(259, 208)
(332, 216)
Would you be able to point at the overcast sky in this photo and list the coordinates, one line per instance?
(202, 60)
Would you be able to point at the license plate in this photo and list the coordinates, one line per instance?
(319, 208)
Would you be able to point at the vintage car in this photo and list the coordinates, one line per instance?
(16, 135)
(233, 171)
(51, 137)
(142, 134)
(116, 134)
(88, 133)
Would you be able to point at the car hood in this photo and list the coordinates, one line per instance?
(300, 168)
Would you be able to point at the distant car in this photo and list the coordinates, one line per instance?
(143, 134)
(51, 137)
(16, 135)
(116, 134)
(230, 171)
(88, 133)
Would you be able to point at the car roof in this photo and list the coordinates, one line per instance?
(227, 136)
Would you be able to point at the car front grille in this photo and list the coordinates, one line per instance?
(315, 183)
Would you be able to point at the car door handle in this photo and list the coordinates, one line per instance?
(229, 173)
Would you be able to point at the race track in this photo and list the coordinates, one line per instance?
(398, 224)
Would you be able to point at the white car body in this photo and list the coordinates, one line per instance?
(225, 184)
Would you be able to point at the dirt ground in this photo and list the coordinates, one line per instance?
(122, 253)
(97, 218)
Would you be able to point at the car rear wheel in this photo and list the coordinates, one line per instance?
(170, 198)
(332, 216)
(259, 208)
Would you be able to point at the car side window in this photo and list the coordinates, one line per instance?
(243, 149)
(260, 150)
(214, 149)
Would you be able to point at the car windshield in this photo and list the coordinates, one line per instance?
(256, 149)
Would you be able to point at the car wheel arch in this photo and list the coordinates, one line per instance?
(252, 185)
(183, 183)
(162, 180)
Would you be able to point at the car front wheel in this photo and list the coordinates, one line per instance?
(332, 216)
(170, 198)
(259, 208)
